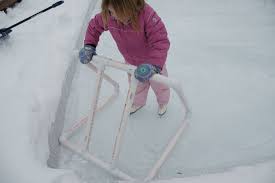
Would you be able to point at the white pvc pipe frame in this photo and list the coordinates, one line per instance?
(83, 150)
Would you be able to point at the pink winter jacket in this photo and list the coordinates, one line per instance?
(149, 45)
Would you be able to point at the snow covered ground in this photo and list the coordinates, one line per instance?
(33, 66)
(222, 51)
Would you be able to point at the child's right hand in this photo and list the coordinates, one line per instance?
(86, 54)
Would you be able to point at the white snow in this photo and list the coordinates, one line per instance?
(33, 65)
(259, 173)
(223, 53)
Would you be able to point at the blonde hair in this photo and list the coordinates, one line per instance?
(124, 9)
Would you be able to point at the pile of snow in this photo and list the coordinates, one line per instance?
(33, 64)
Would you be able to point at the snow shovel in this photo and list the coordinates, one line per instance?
(4, 32)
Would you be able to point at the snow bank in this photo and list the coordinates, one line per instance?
(33, 63)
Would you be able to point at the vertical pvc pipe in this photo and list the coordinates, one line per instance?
(91, 115)
(125, 118)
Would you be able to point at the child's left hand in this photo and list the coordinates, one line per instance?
(145, 71)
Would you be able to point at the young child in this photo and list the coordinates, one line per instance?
(141, 37)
